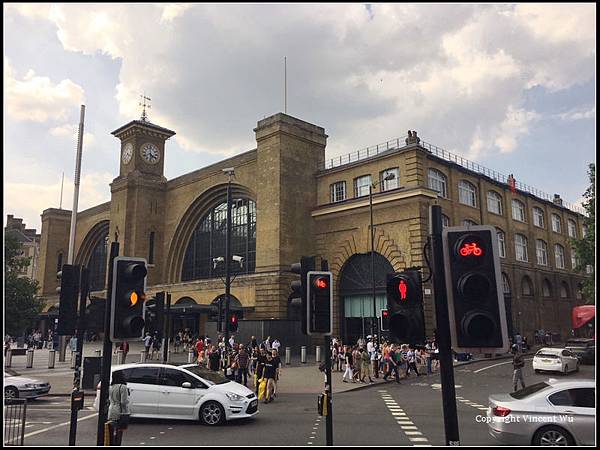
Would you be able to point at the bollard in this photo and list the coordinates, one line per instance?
(190, 356)
(120, 357)
(8, 360)
(318, 353)
(51, 358)
(303, 354)
(288, 356)
(74, 359)
(29, 359)
(143, 356)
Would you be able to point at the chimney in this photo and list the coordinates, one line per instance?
(557, 200)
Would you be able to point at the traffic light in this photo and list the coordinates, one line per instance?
(233, 322)
(475, 295)
(385, 320)
(128, 297)
(299, 289)
(405, 306)
(154, 314)
(68, 299)
(319, 295)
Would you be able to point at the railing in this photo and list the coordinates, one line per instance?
(15, 414)
(398, 143)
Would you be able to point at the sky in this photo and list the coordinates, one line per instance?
(511, 87)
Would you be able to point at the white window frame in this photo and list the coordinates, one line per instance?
(518, 211)
(437, 179)
(556, 223)
(467, 193)
(541, 252)
(538, 217)
(501, 236)
(363, 187)
(333, 192)
(388, 185)
(505, 284)
(574, 259)
(445, 220)
(559, 256)
(521, 248)
(572, 228)
(496, 202)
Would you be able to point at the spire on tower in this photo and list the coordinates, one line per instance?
(144, 105)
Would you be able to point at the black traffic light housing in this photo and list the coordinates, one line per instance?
(385, 320)
(319, 304)
(68, 291)
(475, 296)
(405, 306)
(128, 297)
(233, 322)
(154, 314)
(299, 288)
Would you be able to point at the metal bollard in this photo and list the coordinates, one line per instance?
(51, 358)
(318, 353)
(288, 356)
(29, 359)
(120, 357)
(190, 356)
(8, 360)
(303, 354)
(73, 359)
(143, 356)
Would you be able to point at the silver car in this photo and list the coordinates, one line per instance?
(547, 413)
(23, 387)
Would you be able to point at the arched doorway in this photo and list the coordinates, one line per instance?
(186, 316)
(356, 294)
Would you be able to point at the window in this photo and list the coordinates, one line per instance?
(445, 221)
(505, 284)
(580, 397)
(387, 185)
(438, 182)
(494, 202)
(574, 259)
(546, 289)
(572, 229)
(469, 223)
(142, 375)
(518, 210)
(467, 193)
(175, 378)
(97, 265)
(521, 248)
(538, 217)
(151, 248)
(556, 226)
(564, 290)
(361, 186)
(501, 243)
(541, 251)
(337, 192)
(559, 256)
(526, 286)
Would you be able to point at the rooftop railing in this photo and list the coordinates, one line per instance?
(398, 143)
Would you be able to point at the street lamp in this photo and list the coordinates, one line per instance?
(230, 172)
(374, 323)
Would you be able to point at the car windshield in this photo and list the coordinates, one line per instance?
(529, 390)
(546, 355)
(209, 375)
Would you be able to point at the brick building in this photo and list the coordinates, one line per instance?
(288, 202)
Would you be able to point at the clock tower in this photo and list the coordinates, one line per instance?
(138, 206)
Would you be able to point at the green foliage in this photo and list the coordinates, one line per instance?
(21, 304)
(585, 248)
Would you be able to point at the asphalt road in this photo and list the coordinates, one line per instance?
(388, 415)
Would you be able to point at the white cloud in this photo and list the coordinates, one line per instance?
(36, 98)
(71, 132)
(173, 10)
(514, 125)
(578, 114)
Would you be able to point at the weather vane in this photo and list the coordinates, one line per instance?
(144, 105)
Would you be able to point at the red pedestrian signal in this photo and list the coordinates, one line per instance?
(405, 306)
(403, 288)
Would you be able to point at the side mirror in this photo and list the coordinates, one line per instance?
(187, 385)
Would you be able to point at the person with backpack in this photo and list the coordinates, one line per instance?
(392, 364)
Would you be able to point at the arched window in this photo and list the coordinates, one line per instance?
(559, 256)
(469, 223)
(572, 228)
(494, 202)
(207, 244)
(97, 265)
(541, 251)
(501, 242)
(467, 193)
(579, 291)
(538, 217)
(574, 259)
(556, 223)
(505, 284)
(564, 290)
(521, 248)
(518, 210)
(546, 288)
(438, 182)
(526, 286)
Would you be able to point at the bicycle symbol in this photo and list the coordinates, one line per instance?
(469, 249)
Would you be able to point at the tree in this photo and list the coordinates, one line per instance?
(22, 306)
(585, 248)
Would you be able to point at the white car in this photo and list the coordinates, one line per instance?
(547, 413)
(22, 387)
(556, 360)
(187, 392)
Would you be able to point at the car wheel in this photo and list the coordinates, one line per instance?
(212, 413)
(553, 435)
(11, 393)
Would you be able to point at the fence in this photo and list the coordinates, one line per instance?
(15, 414)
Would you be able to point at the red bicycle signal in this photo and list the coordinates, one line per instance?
(321, 283)
(471, 249)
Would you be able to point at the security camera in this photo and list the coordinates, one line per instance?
(239, 259)
(218, 260)
(229, 171)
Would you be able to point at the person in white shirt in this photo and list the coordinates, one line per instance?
(232, 341)
(276, 344)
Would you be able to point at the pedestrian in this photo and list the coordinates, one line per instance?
(199, 346)
(232, 341)
(268, 373)
(276, 345)
(242, 361)
(253, 343)
(73, 344)
(267, 344)
(118, 409)
(278, 366)
(411, 361)
(125, 349)
(392, 365)
(262, 357)
(365, 360)
(518, 364)
(214, 358)
(348, 365)
(147, 343)
(155, 346)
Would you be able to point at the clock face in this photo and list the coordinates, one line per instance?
(127, 153)
(150, 153)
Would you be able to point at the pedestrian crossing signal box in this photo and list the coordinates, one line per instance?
(319, 303)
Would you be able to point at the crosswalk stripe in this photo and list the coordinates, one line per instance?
(418, 439)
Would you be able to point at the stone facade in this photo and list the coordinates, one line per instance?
(154, 218)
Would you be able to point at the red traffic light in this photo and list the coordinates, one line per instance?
(403, 288)
(321, 283)
(233, 319)
(385, 313)
(469, 249)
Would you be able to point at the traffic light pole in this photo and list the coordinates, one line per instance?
(374, 324)
(107, 350)
(443, 330)
(167, 328)
(227, 266)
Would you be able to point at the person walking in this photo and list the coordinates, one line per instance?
(278, 366)
(348, 365)
(242, 360)
(124, 347)
(518, 364)
(118, 409)
(365, 360)
(392, 365)
(411, 361)
(268, 373)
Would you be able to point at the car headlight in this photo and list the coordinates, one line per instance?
(29, 386)
(234, 397)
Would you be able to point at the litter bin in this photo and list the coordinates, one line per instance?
(92, 371)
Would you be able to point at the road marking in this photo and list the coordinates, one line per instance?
(418, 439)
(413, 433)
(59, 425)
(406, 425)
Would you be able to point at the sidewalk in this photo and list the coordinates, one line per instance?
(296, 378)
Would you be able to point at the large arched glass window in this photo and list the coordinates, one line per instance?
(97, 265)
(467, 193)
(438, 182)
(521, 248)
(564, 290)
(518, 210)
(494, 202)
(541, 251)
(526, 286)
(208, 241)
(501, 242)
(546, 288)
